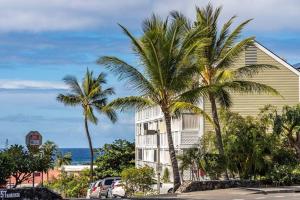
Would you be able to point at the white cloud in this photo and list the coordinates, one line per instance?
(28, 84)
(53, 15)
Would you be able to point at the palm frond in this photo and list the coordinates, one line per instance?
(194, 95)
(87, 82)
(223, 97)
(231, 39)
(249, 87)
(125, 71)
(72, 82)
(69, 99)
(126, 103)
(180, 107)
(89, 113)
(110, 113)
(230, 55)
(251, 70)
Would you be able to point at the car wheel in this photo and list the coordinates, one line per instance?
(170, 191)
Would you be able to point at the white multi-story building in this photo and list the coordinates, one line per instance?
(186, 131)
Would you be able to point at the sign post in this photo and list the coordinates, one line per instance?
(33, 141)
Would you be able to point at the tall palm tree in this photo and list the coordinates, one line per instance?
(91, 96)
(215, 58)
(163, 75)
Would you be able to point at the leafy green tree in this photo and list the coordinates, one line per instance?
(215, 58)
(115, 157)
(137, 179)
(5, 167)
(164, 74)
(287, 123)
(22, 164)
(63, 159)
(90, 96)
(248, 145)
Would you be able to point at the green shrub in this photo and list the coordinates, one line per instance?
(137, 179)
(166, 176)
(71, 186)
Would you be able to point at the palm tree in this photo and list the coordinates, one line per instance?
(164, 74)
(49, 149)
(63, 159)
(91, 96)
(215, 58)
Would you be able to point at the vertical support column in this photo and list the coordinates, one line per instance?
(158, 161)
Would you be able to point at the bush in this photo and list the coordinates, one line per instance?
(137, 179)
(166, 176)
(71, 185)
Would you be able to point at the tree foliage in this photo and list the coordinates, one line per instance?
(71, 185)
(5, 167)
(63, 159)
(22, 162)
(115, 157)
(137, 179)
(286, 123)
(166, 175)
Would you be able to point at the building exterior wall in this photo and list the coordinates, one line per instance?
(284, 80)
(186, 131)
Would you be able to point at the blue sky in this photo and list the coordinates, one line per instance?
(42, 41)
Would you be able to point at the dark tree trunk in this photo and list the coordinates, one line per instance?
(216, 124)
(91, 149)
(217, 127)
(172, 153)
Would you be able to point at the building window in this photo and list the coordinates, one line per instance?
(145, 126)
(190, 121)
(140, 154)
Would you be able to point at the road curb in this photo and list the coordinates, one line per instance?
(271, 190)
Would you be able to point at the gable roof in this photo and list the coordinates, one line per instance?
(276, 57)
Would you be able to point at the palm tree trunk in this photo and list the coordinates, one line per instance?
(172, 153)
(91, 148)
(217, 126)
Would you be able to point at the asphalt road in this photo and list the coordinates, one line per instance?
(226, 194)
(237, 194)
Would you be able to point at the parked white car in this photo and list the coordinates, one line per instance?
(101, 188)
(117, 189)
(89, 191)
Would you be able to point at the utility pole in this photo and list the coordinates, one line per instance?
(158, 161)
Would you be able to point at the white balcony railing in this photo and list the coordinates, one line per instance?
(182, 139)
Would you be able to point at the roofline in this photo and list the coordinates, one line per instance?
(276, 57)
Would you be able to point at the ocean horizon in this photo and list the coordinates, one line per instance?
(80, 156)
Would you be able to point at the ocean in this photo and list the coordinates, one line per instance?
(79, 155)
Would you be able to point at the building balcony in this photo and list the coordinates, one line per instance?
(183, 139)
